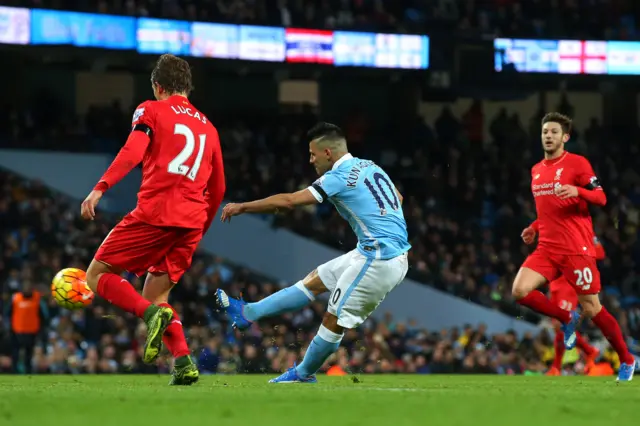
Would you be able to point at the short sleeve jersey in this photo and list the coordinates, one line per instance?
(365, 196)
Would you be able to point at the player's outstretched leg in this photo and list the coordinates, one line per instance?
(242, 314)
(325, 343)
(119, 292)
(611, 330)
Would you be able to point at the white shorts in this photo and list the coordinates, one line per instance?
(358, 284)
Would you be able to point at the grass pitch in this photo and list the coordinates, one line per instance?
(385, 400)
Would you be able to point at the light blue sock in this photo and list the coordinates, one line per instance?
(288, 299)
(322, 346)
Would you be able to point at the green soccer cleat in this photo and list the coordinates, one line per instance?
(185, 372)
(157, 320)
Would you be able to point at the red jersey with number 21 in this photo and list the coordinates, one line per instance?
(177, 164)
(564, 226)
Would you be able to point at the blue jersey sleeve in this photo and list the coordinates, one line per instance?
(327, 186)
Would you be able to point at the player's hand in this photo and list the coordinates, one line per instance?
(528, 235)
(231, 210)
(566, 191)
(88, 208)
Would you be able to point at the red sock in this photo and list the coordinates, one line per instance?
(174, 335)
(611, 330)
(583, 345)
(118, 291)
(558, 346)
(539, 303)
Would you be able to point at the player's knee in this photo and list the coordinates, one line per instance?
(520, 291)
(590, 305)
(526, 281)
(94, 272)
(314, 284)
(330, 321)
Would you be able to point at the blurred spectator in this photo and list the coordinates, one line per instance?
(26, 312)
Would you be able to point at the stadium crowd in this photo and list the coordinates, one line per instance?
(42, 232)
(467, 201)
(592, 19)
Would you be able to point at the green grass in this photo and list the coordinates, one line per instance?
(376, 400)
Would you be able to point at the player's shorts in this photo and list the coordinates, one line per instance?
(358, 284)
(581, 272)
(138, 247)
(563, 295)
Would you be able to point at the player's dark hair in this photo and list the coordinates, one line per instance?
(555, 117)
(327, 131)
(173, 74)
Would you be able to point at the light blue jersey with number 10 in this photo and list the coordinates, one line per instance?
(364, 195)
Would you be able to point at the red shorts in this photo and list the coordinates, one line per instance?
(563, 295)
(138, 247)
(581, 272)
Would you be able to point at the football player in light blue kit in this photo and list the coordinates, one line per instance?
(358, 281)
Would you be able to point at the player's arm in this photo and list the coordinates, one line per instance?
(322, 189)
(216, 187)
(271, 204)
(588, 186)
(593, 193)
(129, 157)
(529, 233)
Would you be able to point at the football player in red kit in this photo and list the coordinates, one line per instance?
(563, 295)
(182, 187)
(563, 186)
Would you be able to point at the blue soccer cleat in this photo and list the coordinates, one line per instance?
(625, 374)
(291, 376)
(233, 308)
(569, 331)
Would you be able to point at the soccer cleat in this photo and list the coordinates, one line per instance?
(156, 325)
(625, 374)
(569, 331)
(553, 371)
(291, 376)
(185, 372)
(233, 308)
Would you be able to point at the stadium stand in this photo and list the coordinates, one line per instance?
(590, 20)
(468, 199)
(467, 203)
(41, 231)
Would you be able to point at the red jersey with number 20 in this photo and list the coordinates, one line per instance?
(564, 226)
(177, 165)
